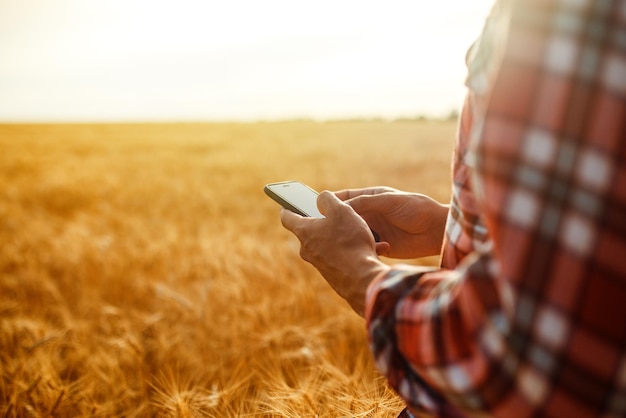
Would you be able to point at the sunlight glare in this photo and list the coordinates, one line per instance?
(208, 60)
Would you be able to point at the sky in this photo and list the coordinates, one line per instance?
(196, 60)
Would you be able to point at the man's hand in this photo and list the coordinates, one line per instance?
(340, 246)
(411, 225)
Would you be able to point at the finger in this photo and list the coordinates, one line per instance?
(348, 194)
(383, 248)
(289, 219)
(368, 203)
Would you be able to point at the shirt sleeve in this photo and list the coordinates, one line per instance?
(535, 324)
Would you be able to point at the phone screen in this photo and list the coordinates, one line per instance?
(296, 197)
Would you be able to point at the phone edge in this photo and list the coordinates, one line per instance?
(276, 198)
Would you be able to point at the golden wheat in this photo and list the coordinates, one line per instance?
(144, 273)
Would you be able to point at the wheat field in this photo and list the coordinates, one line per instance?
(143, 272)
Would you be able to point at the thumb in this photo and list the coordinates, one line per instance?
(383, 248)
(327, 202)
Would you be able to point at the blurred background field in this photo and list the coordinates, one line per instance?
(143, 272)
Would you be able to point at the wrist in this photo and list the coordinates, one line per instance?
(372, 268)
(438, 228)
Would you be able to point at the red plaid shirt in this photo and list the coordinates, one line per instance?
(527, 314)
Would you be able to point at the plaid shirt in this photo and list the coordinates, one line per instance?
(527, 314)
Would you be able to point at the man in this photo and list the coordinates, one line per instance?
(527, 314)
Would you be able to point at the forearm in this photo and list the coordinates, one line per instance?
(354, 290)
(428, 335)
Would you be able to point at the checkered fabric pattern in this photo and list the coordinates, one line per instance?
(527, 315)
(465, 229)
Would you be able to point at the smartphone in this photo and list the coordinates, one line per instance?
(298, 198)
(295, 196)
